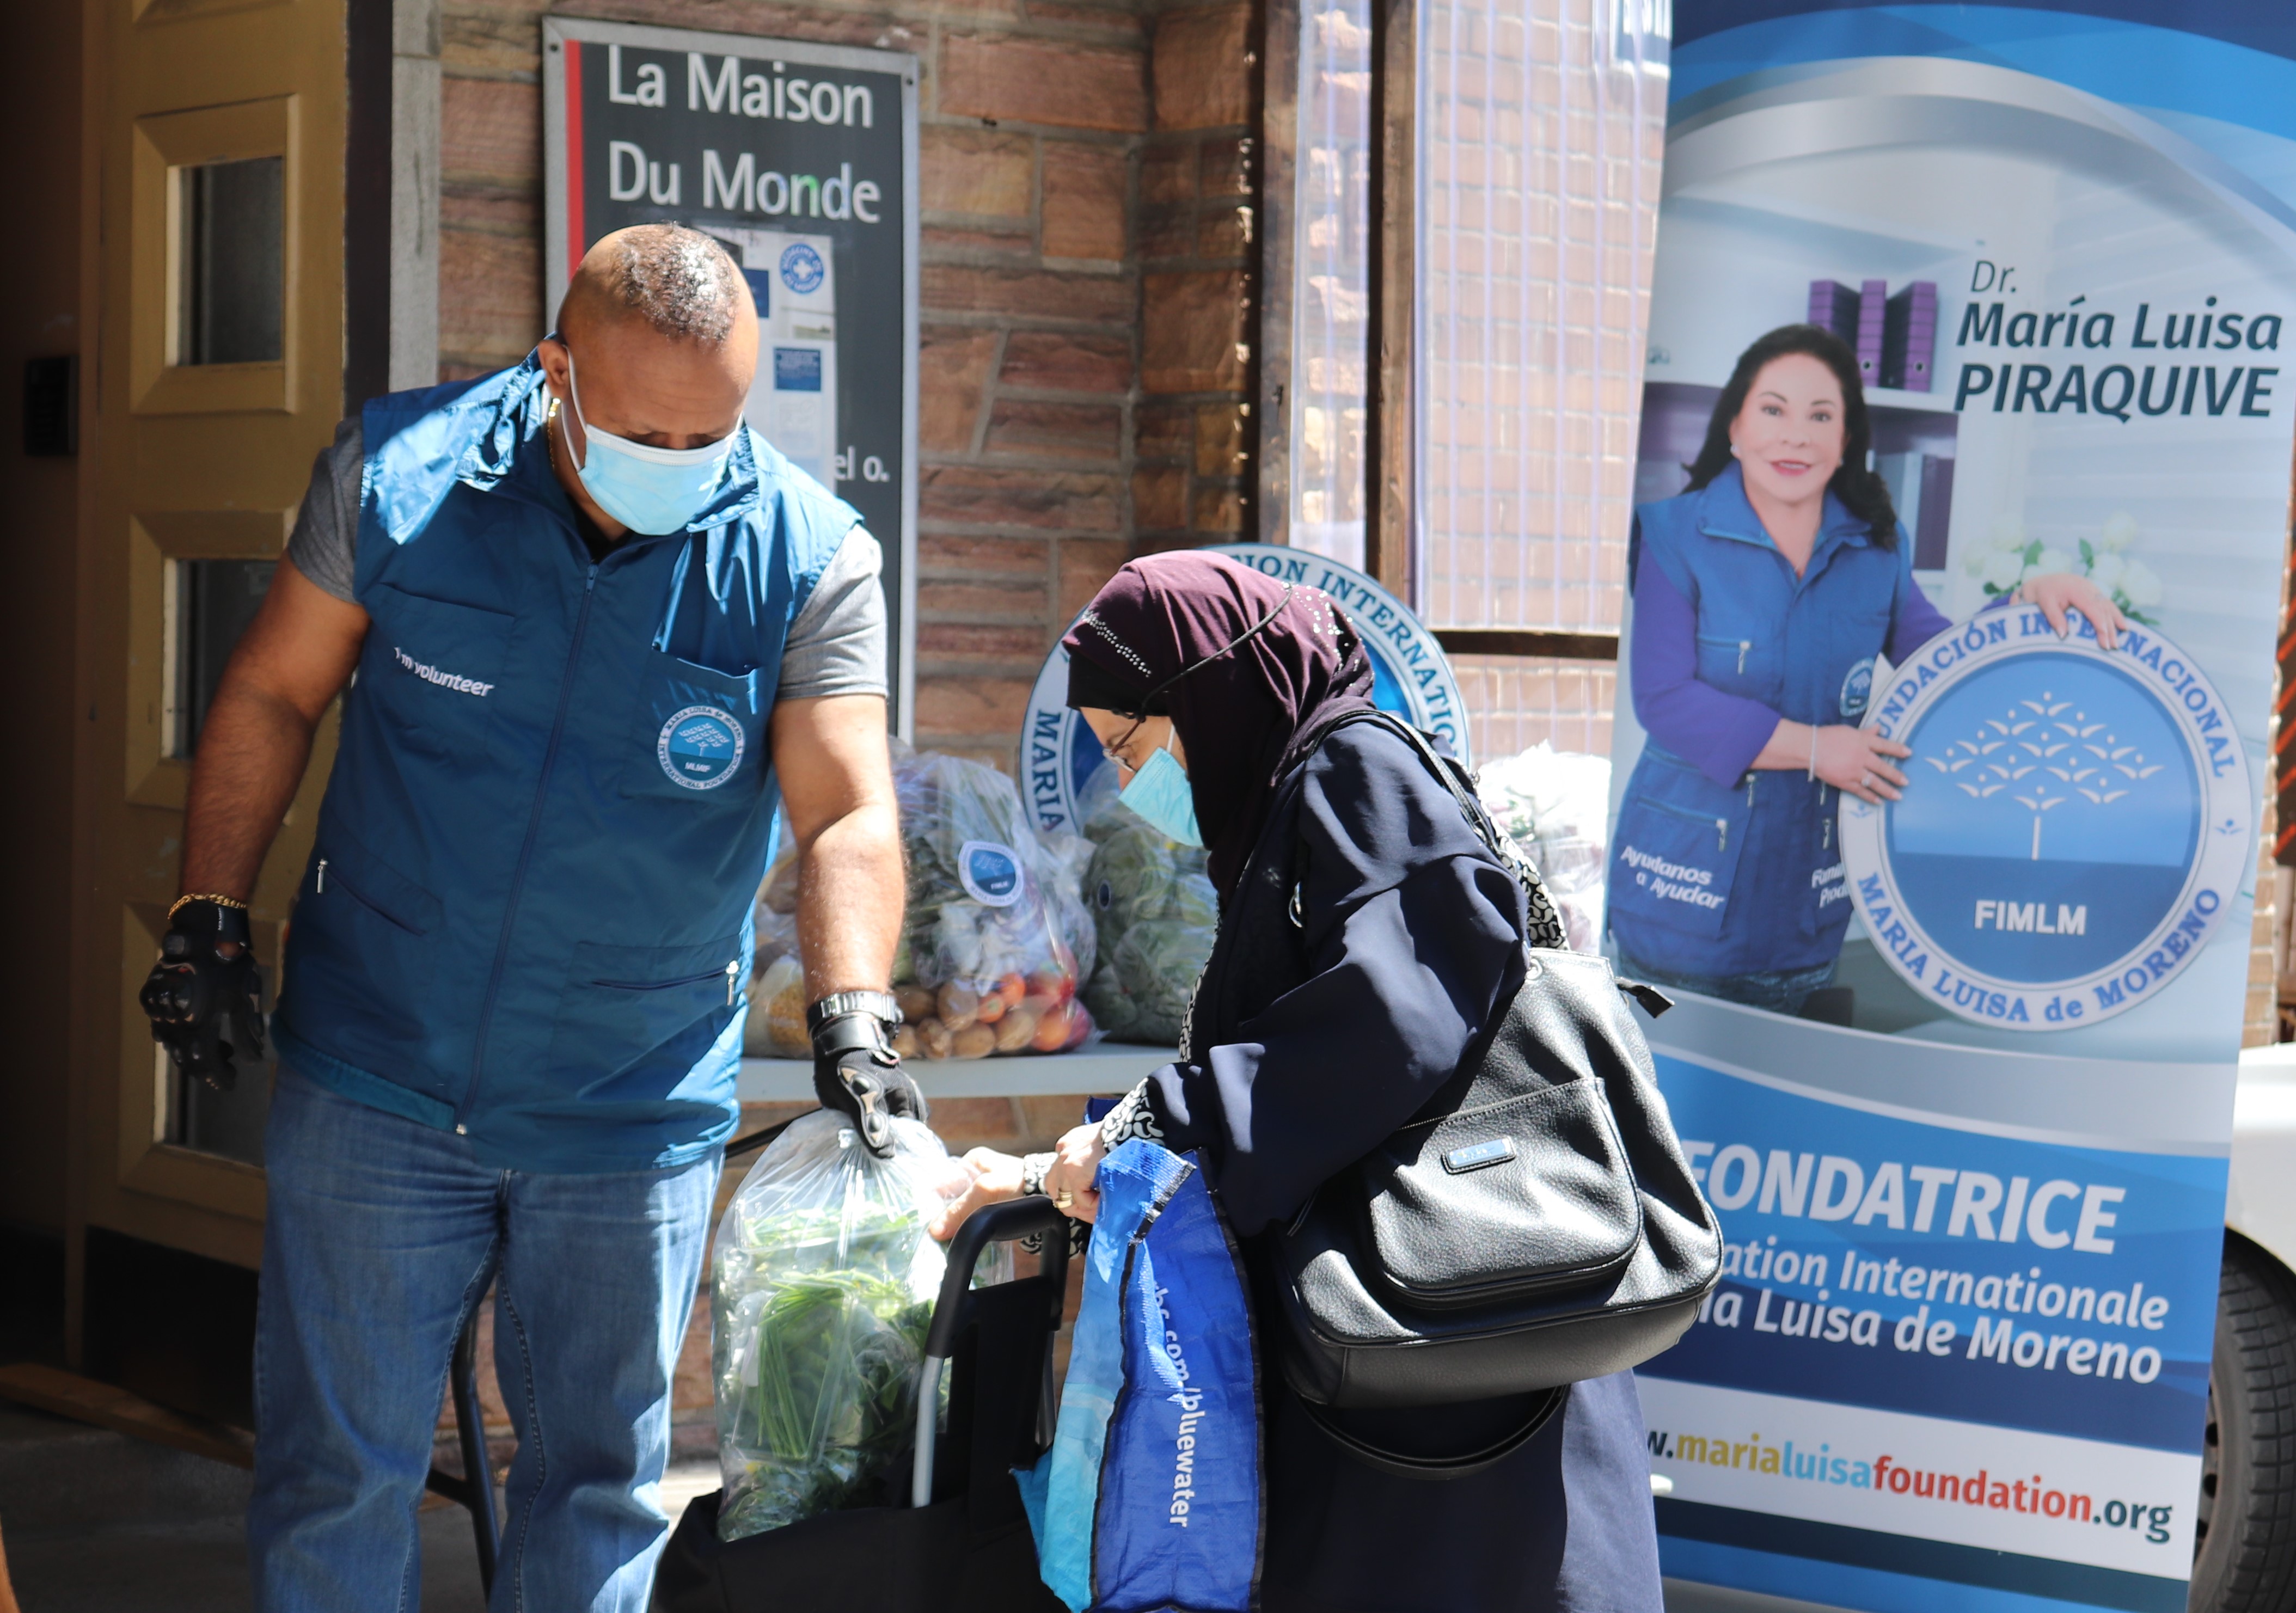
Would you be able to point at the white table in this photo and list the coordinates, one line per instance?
(1108, 1069)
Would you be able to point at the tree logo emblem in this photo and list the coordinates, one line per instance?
(2077, 827)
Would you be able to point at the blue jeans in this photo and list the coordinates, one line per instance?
(380, 1238)
(1782, 991)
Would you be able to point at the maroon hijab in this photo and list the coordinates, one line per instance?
(1245, 718)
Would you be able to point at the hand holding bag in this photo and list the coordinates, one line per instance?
(1534, 1225)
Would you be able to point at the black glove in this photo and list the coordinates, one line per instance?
(856, 1072)
(206, 1007)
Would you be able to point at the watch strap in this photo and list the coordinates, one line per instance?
(878, 1004)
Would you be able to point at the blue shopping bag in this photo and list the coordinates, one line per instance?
(1150, 1498)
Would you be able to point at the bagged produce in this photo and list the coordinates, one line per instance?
(1155, 913)
(997, 938)
(776, 1028)
(823, 1284)
(1555, 804)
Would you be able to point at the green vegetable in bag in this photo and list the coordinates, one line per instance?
(823, 1283)
(1155, 913)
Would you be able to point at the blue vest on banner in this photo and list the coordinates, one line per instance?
(1150, 1498)
(527, 914)
(1746, 876)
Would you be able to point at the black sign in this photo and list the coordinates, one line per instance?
(802, 160)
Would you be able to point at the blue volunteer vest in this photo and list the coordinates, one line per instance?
(527, 914)
(1745, 877)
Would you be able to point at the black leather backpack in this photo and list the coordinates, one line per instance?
(1534, 1226)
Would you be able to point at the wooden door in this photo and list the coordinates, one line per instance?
(216, 168)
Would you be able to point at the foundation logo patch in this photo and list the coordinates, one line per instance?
(700, 747)
(2076, 824)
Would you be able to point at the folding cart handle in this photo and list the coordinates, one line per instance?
(999, 1223)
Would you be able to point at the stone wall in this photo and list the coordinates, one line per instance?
(1087, 251)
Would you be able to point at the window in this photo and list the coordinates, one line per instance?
(1332, 269)
(212, 603)
(230, 262)
(1541, 130)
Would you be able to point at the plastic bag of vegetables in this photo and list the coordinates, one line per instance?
(997, 938)
(1555, 804)
(823, 1284)
(776, 1023)
(1156, 914)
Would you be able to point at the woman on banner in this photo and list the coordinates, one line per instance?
(1333, 1010)
(1763, 596)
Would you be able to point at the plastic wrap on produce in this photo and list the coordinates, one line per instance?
(997, 938)
(776, 1023)
(823, 1283)
(1155, 913)
(1555, 804)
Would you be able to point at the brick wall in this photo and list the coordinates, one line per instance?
(1087, 251)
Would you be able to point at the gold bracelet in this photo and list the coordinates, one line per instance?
(219, 901)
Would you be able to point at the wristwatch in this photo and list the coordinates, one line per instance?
(879, 1004)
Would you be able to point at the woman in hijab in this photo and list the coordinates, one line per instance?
(1366, 937)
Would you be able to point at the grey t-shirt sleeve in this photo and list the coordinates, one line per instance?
(325, 544)
(837, 644)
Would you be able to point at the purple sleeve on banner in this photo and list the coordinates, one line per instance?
(1719, 735)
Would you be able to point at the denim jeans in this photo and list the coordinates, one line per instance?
(1782, 991)
(380, 1236)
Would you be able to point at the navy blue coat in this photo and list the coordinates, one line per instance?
(1315, 1040)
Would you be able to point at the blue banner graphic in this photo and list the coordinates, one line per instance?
(1955, 1057)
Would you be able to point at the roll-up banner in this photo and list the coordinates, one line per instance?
(802, 160)
(1954, 1062)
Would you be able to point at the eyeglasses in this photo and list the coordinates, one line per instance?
(1115, 753)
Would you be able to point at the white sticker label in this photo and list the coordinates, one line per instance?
(990, 873)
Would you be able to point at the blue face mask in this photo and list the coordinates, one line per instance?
(648, 490)
(1159, 792)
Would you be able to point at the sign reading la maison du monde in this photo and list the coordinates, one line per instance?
(802, 158)
(1958, 1074)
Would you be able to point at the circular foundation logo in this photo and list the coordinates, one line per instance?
(1857, 689)
(1409, 677)
(801, 268)
(990, 872)
(2076, 824)
(700, 747)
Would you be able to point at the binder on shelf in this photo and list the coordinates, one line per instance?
(1932, 532)
(1873, 321)
(1921, 490)
(1909, 338)
(1834, 307)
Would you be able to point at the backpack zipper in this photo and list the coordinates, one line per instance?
(526, 852)
(1744, 644)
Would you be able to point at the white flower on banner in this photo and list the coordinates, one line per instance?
(2140, 585)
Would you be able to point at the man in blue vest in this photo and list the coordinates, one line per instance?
(593, 627)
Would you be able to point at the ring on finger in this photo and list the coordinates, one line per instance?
(1063, 1199)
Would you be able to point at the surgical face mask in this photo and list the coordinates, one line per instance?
(1160, 793)
(648, 490)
